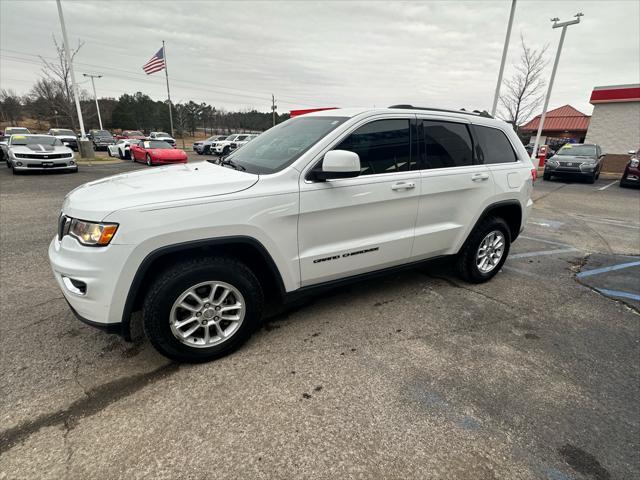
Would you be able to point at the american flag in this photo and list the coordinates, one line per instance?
(155, 64)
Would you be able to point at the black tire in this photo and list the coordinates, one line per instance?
(225, 150)
(466, 260)
(130, 156)
(121, 154)
(546, 176)
(199, 152)
(174, 281)
(75, 170)
(149, 160)
(109, 152)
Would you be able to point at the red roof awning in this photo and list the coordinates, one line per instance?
(563, 119)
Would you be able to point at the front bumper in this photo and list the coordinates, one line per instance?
(577, 169)
(30, 164)
(98, 269)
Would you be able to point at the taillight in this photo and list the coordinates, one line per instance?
(534, 174)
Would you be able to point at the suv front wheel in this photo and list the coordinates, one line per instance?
(202, 309)
(485, 251)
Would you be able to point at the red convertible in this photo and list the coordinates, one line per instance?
(156, 152)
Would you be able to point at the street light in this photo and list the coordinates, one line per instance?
(95, 97)
(556, 24)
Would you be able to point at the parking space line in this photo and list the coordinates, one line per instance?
(611, 268)
(618, 293)
(550, 242)
(607, 186)
(543, 252)
(614, 223)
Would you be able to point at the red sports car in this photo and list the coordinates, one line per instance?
(157, 152)
(131, 134)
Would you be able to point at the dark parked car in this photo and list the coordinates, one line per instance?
(101, 139)
(631, 175)
(577, 160)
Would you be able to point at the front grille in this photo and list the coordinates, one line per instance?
(40, 156)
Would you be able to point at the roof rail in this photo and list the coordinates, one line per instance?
(477, 113)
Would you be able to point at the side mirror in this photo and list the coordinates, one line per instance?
(631, 152)
(338, 164)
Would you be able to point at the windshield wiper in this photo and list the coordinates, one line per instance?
(228, 162)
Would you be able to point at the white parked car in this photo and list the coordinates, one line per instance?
(38, 152)
(242, 140)
(66, 136)
(203, 147)
(223, 147)
(164, 137)
(122, 148)
(319, 200)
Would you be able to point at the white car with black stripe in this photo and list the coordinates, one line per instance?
(39, 152)
(122, 148)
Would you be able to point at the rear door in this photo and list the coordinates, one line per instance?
(355, 225)
(454, 186)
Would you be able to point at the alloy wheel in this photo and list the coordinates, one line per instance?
(207, 314)
(490, 251)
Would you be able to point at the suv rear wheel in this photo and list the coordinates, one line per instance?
(485, 251)
(202, 309)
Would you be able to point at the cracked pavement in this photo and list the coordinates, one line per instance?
(415, 375)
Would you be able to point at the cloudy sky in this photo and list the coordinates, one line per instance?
(333, 53)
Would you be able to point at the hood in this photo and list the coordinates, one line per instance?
(38, 148)
(66, 137)
(167, 153)
(157, 186)
(572, 158)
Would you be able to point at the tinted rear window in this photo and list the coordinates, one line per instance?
(494, 146)
(447, 144)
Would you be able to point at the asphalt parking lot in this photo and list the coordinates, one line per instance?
(534, 375)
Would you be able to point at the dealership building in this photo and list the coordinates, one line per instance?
(615, 121)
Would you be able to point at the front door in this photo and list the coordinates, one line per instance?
(356, 225)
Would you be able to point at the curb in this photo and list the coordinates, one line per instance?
(603, 175)
(98, 162)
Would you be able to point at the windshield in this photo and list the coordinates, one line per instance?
(161, 134)
(231, 138)
(11, 130)
(578, 150)
(102, 133)
(281, 145)
(35, 140)
(134, 133)
(62, 131)
(241, 138)
(157, 144)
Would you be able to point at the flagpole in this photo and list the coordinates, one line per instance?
(166, 72)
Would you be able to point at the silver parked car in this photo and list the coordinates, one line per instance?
(39, 152)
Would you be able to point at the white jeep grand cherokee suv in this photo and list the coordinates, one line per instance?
(320, 199)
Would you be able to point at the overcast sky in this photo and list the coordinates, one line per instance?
(334, 53)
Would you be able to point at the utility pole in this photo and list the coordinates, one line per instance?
(84, 145)
(504, 59)
(95, 97)
(564, 26)
(273, 109)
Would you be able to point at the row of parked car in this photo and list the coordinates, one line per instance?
(222, 144)
(101, 139)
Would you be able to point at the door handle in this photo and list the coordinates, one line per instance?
(480, 176)
(403, 186)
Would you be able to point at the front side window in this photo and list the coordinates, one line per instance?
(494, 146)
(383, 146)
(447, 144)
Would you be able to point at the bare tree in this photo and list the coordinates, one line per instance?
(524, 91)
(55, 86)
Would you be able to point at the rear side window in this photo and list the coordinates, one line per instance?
(447, 144)
(383, 146)
(494, 146)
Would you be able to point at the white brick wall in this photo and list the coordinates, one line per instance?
(615, 127)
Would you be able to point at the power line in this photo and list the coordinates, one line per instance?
(145, 77)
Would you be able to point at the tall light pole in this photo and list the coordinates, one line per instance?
(504, 59)
(84, 145)
(95, 97)
(564, 26)
(273, 109)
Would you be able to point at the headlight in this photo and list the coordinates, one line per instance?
(92, 234)
(634, 162)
